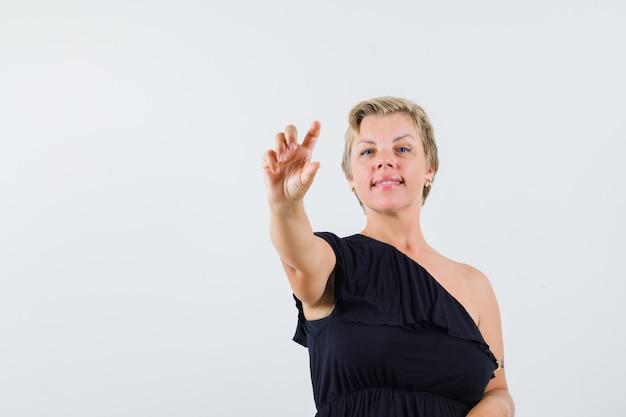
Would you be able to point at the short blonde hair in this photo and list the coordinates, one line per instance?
(381, 106)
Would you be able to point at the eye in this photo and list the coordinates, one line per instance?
(366, 152)
(403, 149)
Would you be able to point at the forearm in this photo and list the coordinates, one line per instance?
(292, 235)
(496, 403)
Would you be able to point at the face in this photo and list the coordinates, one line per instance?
(388, 164)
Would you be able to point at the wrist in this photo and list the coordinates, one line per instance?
(286, 207)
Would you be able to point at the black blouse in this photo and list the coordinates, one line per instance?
(397, 344)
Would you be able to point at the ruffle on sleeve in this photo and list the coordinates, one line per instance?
(300, 335)
(335, 242)
(376, 284)
(387, 287)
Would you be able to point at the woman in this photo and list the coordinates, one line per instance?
(393, 327)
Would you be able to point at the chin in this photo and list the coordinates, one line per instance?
(385, 208)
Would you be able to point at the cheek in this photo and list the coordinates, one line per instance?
(359, 174)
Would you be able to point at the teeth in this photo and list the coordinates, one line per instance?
(388, 182)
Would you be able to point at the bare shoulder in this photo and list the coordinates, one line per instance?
(457, 274)
(475, 278)
(476, 284)
(479, 298)
(475, 292)
(470, 286)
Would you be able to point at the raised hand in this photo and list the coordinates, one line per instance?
(288, 169)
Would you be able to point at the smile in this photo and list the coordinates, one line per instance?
(387, 183)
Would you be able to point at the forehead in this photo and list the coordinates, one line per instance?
(392, 126)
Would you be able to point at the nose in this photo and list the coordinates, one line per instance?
(386, 160)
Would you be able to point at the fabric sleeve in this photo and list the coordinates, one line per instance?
(336, 244)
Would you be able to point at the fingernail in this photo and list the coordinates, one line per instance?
(281, 157)
(293, 145)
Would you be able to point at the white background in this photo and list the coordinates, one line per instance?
(136, 273)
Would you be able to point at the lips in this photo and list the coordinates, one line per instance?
(386, 182)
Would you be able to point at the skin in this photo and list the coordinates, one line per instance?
(389, 171)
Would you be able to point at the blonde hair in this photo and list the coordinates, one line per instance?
(381, 106)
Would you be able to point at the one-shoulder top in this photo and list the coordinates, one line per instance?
(397, 344)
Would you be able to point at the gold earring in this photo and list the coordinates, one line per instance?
(354, 190)
(428, 184)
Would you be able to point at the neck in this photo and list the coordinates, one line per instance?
(402, 232)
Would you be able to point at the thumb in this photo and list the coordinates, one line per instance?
(308, 174)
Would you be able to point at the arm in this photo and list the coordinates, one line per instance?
(496, 402)
(307, 259)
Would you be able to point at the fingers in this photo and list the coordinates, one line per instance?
(288, 141)
(291, 137)
(269, 161)
(284, 141)
(311, 136)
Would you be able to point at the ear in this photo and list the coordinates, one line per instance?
(430, 173)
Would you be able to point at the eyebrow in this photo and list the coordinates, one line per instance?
(371, 141)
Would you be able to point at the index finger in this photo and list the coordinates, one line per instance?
(313, 133)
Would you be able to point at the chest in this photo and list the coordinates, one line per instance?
(363, 356)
